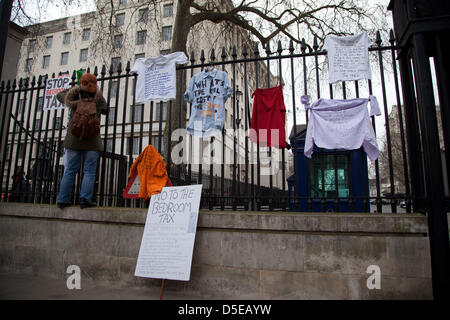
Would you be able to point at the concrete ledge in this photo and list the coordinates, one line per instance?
(264, 221)
(237, 255)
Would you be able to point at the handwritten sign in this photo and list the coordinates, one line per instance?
(348, 57)
(52, 88)
(169, 233)
(159, 82)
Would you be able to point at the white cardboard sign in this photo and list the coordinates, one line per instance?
(53, 86)
(169, 233)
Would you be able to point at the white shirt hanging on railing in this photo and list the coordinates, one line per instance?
(156, 79)
(341, 124)
(348, 57)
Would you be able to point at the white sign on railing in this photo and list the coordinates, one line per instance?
(169, 233)
(54, 86)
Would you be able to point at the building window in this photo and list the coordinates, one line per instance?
(155, 143)
(31, 45)
(64, 58)
(114, 88)
(118, 39)
(163, 52)
(40, 103)
(58, 122)
(67, 37)
(143, 15)
(166, 33)
(37, 124)
(120, 19)
(109, 145)
(141, 37)
(111, 115)
(137, 110)
(49, 42)
(83, 55)
(139, 55)
(168, 10)
(28, 64)
(45, 62)
(115, 63)
(158, 111)
(86, 34)
(133, 145)
(21, 105)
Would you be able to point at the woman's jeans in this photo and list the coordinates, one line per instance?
(71, 170)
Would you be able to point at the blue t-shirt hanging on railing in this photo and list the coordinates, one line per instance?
(207, 92)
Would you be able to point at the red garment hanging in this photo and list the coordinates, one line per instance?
(268, 118)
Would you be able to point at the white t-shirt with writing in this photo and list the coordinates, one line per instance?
(157, 77)
(348, 57)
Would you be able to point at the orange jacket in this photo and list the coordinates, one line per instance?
(151, 170)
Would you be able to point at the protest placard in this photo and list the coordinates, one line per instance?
(54, 86)
(169, 233)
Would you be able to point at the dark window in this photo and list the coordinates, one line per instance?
(67, 37)
(49, 42)
(168, 10)
(141, 37)
(86, 34)
(138, 113)
(158, 111)
(118, 39)
(143, 15)
(167, 33)
(31, 45)
(45, 62)
(115, 63)
(133, 143)
(155, 143)
(113, 89)
(120, 19)
(64, 58)
(83, 55)
(28, 64)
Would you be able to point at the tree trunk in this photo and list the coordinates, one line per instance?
(183, 23)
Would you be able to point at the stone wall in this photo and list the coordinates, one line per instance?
(237, 255)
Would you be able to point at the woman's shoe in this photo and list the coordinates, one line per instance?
(63, 205)
(86, 204)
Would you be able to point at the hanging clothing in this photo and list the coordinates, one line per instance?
(348, 57)
(268, 118)
(156, 79)
(151, 170)
(207, 92)
(341, 124)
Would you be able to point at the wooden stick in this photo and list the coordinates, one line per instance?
(162, 288)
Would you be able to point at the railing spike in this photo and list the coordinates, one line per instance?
(315, 44)
(378, 39)
(391, 37)
(224, 53)
(291, 46)
(303, 45)
(256, 49)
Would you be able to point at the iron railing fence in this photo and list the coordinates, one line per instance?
(32, 138)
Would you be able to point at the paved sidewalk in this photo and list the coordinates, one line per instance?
(27, 287)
